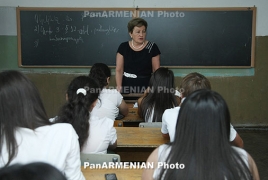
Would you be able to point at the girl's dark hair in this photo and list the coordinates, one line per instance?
(76, 110)
(161, 95)
(20, 106)
(32, 171)
(100, 72)
(136, 22)
(202, 141)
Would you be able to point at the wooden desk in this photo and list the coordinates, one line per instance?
(139, 137)
(118, 123)
(130, 105)
(131, 120)
(122, 174)
(132, 115)
(136, 144)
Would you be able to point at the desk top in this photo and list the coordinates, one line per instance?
(122, 174)
(130, 105)
(132, 116)
(139, 137)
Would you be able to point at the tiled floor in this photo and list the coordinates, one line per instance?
(256, 144)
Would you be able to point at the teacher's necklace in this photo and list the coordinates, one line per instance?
(136, 47)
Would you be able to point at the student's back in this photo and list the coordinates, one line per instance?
(27, 135)
(159, 96)
(190, 83)
(110, 102)
(54, 144)
(201, 148)
(82, 95)
(102, 135)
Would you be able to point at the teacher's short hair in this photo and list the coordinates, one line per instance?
(136, 22)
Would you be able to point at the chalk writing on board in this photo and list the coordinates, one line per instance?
(62, 29)
(66, 39)
(45, 20)
(67, 18)
(107, 30)
(42, 29)
(36, 42)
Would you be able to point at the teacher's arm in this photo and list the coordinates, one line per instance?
(119, 71)
(156, 62)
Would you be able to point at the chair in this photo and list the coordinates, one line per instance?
(99, 158)
(150, 124)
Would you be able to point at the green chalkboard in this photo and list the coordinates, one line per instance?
(208, 37)
(203, 37)
(71, 37)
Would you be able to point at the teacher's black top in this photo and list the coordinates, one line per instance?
(137, 66)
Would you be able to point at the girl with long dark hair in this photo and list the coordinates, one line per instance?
(81, 95)
(26, 133)
(95, 134)
(159, 96)
(201, 147)
(111, 102)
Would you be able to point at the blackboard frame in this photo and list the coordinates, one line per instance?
(137, 12)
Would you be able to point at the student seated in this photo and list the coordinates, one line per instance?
(110, 102)
(190, 83)
(26, 133)
(201, 147)
(159, 96)
(95, 134)
(31, 171)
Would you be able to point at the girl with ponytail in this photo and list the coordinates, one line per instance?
(80, 100)
(82, 95)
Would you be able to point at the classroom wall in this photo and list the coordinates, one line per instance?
(244, 89)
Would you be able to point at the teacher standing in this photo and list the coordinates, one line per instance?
(136, 59)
